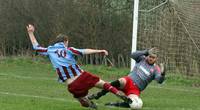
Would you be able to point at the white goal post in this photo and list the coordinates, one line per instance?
(135, 29)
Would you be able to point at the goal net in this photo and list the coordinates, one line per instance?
(174, 27)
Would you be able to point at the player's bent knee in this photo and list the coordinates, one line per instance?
(122, 82)
(136, 102)
(100, 84)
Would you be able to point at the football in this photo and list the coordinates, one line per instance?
(136, 103)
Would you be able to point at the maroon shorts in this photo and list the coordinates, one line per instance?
(130, 87)
(80, 86)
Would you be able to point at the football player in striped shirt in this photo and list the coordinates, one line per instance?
(77, 80)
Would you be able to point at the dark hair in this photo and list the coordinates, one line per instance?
(59, 38)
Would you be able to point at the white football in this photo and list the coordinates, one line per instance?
(136, 103)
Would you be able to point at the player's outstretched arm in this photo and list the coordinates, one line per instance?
(30, 29)
(139, 55)
(92, 51)
(40, 50)
(160, 73)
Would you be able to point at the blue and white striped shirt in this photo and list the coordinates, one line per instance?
(63, 59)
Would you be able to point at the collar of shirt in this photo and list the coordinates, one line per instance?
(59, 44)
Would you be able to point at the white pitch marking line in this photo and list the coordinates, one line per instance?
(27, 77)
(40, 97)
(34, 96)
(36, 78)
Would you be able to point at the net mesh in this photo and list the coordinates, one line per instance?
(174, 27)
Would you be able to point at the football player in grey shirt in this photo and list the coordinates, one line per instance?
(144, 71)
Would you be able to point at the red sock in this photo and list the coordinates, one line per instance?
(110, 88)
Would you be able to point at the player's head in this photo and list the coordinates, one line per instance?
(61, 38)
(151, 58)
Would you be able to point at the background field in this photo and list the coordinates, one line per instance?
(30, 84)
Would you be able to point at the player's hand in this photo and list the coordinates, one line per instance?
(153, 50)
(104, 52)
(30, 28)
(162, 68)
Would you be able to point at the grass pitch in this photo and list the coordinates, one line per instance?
(30, 84)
